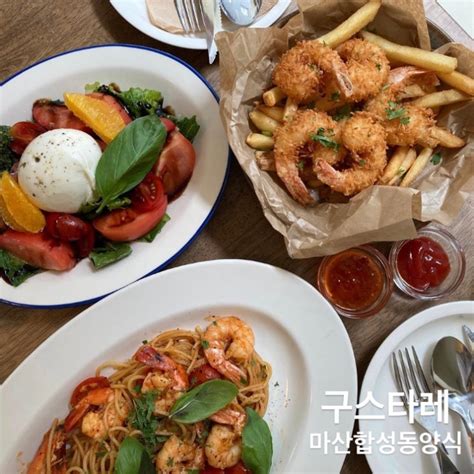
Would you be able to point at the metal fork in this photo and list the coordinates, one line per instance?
(190, 15)
(414, 379)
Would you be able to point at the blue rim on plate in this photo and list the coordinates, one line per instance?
(211, 212)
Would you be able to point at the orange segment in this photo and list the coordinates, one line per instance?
(16, 210)
(99, 115)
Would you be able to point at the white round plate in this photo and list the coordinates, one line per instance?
(423, 332)
(135, 13)
(296, 330)
(127, 65)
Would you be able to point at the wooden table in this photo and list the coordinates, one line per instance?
(34, 30)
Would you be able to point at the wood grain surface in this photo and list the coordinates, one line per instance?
(32, 30)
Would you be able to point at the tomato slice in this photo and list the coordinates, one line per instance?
(38, 250)
(22, 134)
(169, 125)
(239, 468)
(175, 165)
(125, 225)
(86, 386)
(203, 374)
(52, 115)
(211, 470)
(149, 194)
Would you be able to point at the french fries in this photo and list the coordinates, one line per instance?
(417, 166)
(437, 99)
(276, 113)
(257, 141)
(263, 122)
(290, 109)
(360, 19)
(415, 56)
(459, 81)
(273, 96)
(408, 160)
(446, 138)
(394, 164)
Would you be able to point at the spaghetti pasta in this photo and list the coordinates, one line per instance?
(144, 386)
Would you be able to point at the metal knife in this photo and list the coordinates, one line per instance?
(213, 22)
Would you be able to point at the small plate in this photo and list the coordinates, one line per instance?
(135, 13)
(127, 65)
(296, 330)
(423, 332)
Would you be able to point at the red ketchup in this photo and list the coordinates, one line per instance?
(423, 263)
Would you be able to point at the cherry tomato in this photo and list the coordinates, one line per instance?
(239, 468)
(69, 228)
(22, 134)
(169, 125)
(149, 194)
(175, 165)
(203, 374)
(211, 470)
(86, 386)
(124, 225)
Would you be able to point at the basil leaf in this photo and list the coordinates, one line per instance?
(15, 270)
(436, 158)
(7, 157)
(188, 126)
(203, 401)
(129, 157)
(109, 253)
(150, 237)
(257, 448)
(133, 458)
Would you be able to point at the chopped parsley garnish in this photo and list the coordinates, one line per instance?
(300, 165)
(205, 344)
(243, 381)
(385, 87)
(436, 159)
(342, 113)
(137, 388)
(362, 162)
(335, 96)
(170, 462)
(276, 384)
(324, 139)
(143, 419)
(396, 111)
(145, 341)
(378, 66)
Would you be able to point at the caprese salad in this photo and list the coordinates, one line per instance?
(88, 175)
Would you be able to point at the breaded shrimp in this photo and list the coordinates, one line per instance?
(364, 138)
(303, 68)
(293, 137)
(368, 69)
(408, 124)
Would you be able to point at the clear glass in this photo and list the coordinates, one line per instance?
(457, 262)
(385, 293)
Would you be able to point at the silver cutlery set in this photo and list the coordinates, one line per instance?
(452, 370)
(205, 15)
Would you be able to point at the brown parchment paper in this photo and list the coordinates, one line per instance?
(379, 213)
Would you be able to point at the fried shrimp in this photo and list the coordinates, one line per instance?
(229, 340)
(407, 124)
(223, 447)
(364, 138)
(303, 68)
(296, 136)
(176, 457)
(368, 70)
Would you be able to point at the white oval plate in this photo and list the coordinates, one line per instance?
(127, 65)
(135, 13)
(296, 330)
(423, 332)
